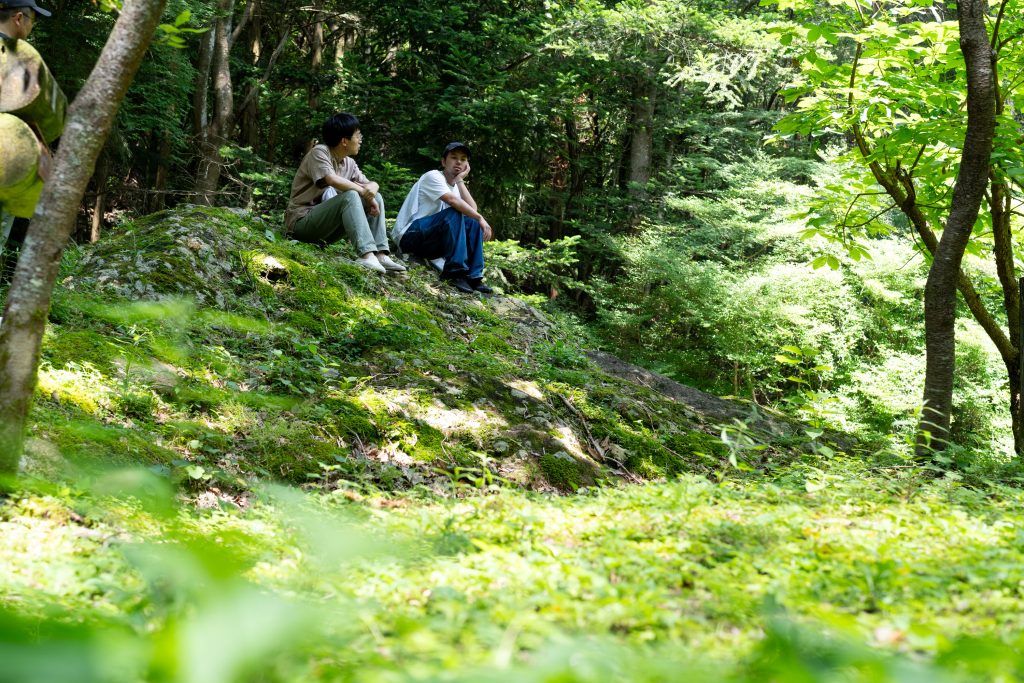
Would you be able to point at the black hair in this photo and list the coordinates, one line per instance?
(8, 14)
(340, 126)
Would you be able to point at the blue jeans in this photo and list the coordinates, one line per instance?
(458, 238)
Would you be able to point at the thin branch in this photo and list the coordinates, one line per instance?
(250, 9)
(266, 73)
(917, 159)
(999, 21)
(869, 220)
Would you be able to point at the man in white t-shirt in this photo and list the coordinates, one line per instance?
(439, 220)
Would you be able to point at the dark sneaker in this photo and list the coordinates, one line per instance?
(482, 288)
(463, 286)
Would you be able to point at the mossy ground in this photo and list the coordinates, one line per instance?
(146, 542)
(198, 341)
(811, 574)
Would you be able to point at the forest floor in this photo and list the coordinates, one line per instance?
(464, 495)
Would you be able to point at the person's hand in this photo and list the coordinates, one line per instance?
(368, 195)
(372, 210)
(486, 227)
(461, 175)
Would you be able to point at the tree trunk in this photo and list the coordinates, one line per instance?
(200, 93)
(316, 59)
(248, 119)
(90, 118)
(219, 126)
(99, 207)
(641, 140)
(163, 160)
(272, 135)
(1001, 207)
(971, 181)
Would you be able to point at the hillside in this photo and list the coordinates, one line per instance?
(198, 343)
(194, 359)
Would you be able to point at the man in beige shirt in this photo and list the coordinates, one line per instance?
(331, 198)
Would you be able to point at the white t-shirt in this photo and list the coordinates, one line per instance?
(424, 199)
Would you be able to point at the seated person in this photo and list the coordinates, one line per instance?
(17, 19)
(331, 198)
(439, 219)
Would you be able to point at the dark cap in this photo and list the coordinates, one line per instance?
(452, 146)
(18, 4)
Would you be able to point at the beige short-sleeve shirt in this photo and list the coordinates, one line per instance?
(306, 187)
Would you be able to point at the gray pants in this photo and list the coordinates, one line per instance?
(344, 216)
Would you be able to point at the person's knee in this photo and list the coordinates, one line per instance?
(349, 196)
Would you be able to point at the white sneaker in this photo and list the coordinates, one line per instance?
(390, 265)
(370, 262)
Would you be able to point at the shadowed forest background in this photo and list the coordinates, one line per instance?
(249, 460)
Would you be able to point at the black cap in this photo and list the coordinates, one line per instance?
(452, 146)
(17, 4)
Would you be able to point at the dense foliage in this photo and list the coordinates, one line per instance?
(251, 460)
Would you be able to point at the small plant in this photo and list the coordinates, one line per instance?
(807, 374)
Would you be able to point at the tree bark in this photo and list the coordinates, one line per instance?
(200, 93)
(640, 147)
(162, 162)
(1000, 206)
(90, 119)
(99, 207)
(219, 127)
(971, 181)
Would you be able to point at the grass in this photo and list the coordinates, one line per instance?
(838, 567)
(453, 506)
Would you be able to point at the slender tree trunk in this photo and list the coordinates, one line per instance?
(99, 207)
(272, 135)
(200, 93)
(640, 146)
(163, 159)
(90, 118)
(219, 126)
(316, 59)
(1001, 207)
(248, 119)
(972, 179)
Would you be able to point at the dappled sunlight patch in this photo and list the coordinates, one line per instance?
(80, 385)
(525, 389)
(48, 551)
(467, 421)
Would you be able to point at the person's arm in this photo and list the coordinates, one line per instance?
(460, 184)
(366, 190)
(464, 207)
(357, 182)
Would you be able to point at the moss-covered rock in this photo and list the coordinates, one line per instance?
(189, 339)
(564, 472)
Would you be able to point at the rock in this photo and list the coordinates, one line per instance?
(43, 459)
